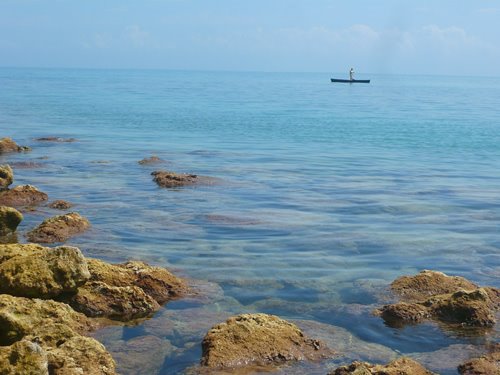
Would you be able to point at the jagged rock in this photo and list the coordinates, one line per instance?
(55, 139)
(59, 228)
(32, 271)
(60, 205)
(427, 284)
(488, 364)
(151, 160)
(23, 357)
(97, 299)
(24, 195)
(6, 176)
(258, 339)
(10, 218)
(171, 179)
(8, 145)
(448, 298)
(400, 366)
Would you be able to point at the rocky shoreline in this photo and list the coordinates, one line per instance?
(53, 298)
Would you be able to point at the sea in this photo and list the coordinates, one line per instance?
(325, 194)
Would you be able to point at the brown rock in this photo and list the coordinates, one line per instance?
(8, 145)
(488, 364)
(171, 179)
(6, 176)
(59, 228)
(32, 271)
(10, 218)
(97, 299)
(23, 357)
(55, 139)
(25, 195)
(400, 366)
(403, 313)
(151, 160)
(60, 205)
(427, 284)
(257, 340)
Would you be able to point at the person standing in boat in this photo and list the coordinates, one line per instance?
(351, 74)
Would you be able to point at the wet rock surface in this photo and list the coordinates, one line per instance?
(8, 145)
(6, 176)
(484, 365)
(55, 139)
(60, 205)
(151, 160)
(169, 179)
(38, 272)
(10, 218)
(438, 296)
(400, 366)
(59, 228)
(258, 340)
(23, 195)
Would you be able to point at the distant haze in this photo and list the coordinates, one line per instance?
(386, 36)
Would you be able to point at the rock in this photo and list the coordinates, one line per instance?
(28, 271)
(400, 366)
(8, 145)
(23, 357)
(55, 139)
(26, 165)
(6, 176)
(257, 340)
(59, 228)
(427, 284)
(156, 282)
(151, 160)
(25, 195)
(10, 218)
(171, 179)
(97, 299)
(488, 364)
(60, 205)
(21, 316)
(448, 298)
(80, 355)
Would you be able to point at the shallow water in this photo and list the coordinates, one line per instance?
(327, 193)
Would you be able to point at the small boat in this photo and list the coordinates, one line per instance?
(350, 80)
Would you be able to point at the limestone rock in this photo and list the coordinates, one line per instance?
(6, 176)
(60, 205)
(400, 366)
(43, 273)
(8, 145)
(59, 228)
(169, 179)
(23, 195)
(257, 339)
(10, 218)
(23, 357)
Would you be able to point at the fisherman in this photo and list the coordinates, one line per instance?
(351, 74)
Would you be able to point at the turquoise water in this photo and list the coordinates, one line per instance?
(327, 193)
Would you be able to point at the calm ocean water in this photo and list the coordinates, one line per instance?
(328, 193)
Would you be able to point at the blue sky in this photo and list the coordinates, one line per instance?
(385, 36)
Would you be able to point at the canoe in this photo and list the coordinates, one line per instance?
(349, 81)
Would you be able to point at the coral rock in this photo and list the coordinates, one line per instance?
(257, 340)
(25, 195)
(10, 218)
(59, 228)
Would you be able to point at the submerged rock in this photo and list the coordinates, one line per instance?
(8, 145)
(10, 218)
(400, 366)
(38, 272)
(26, 164)
(151, 160)
(258, 340)
(24, 195)
(60, 205)
(6, 176)
(59, 228)
(488, 364)
(448, 298)
(171, 179)
(55, 139)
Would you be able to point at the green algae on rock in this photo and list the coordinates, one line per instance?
(33, 271)
(258, 340)
(23, 195)
(10, 218)
(400, 366)
(8, 145)
(59, 228)
(6, 176)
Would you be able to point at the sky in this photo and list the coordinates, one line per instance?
(384, 36)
